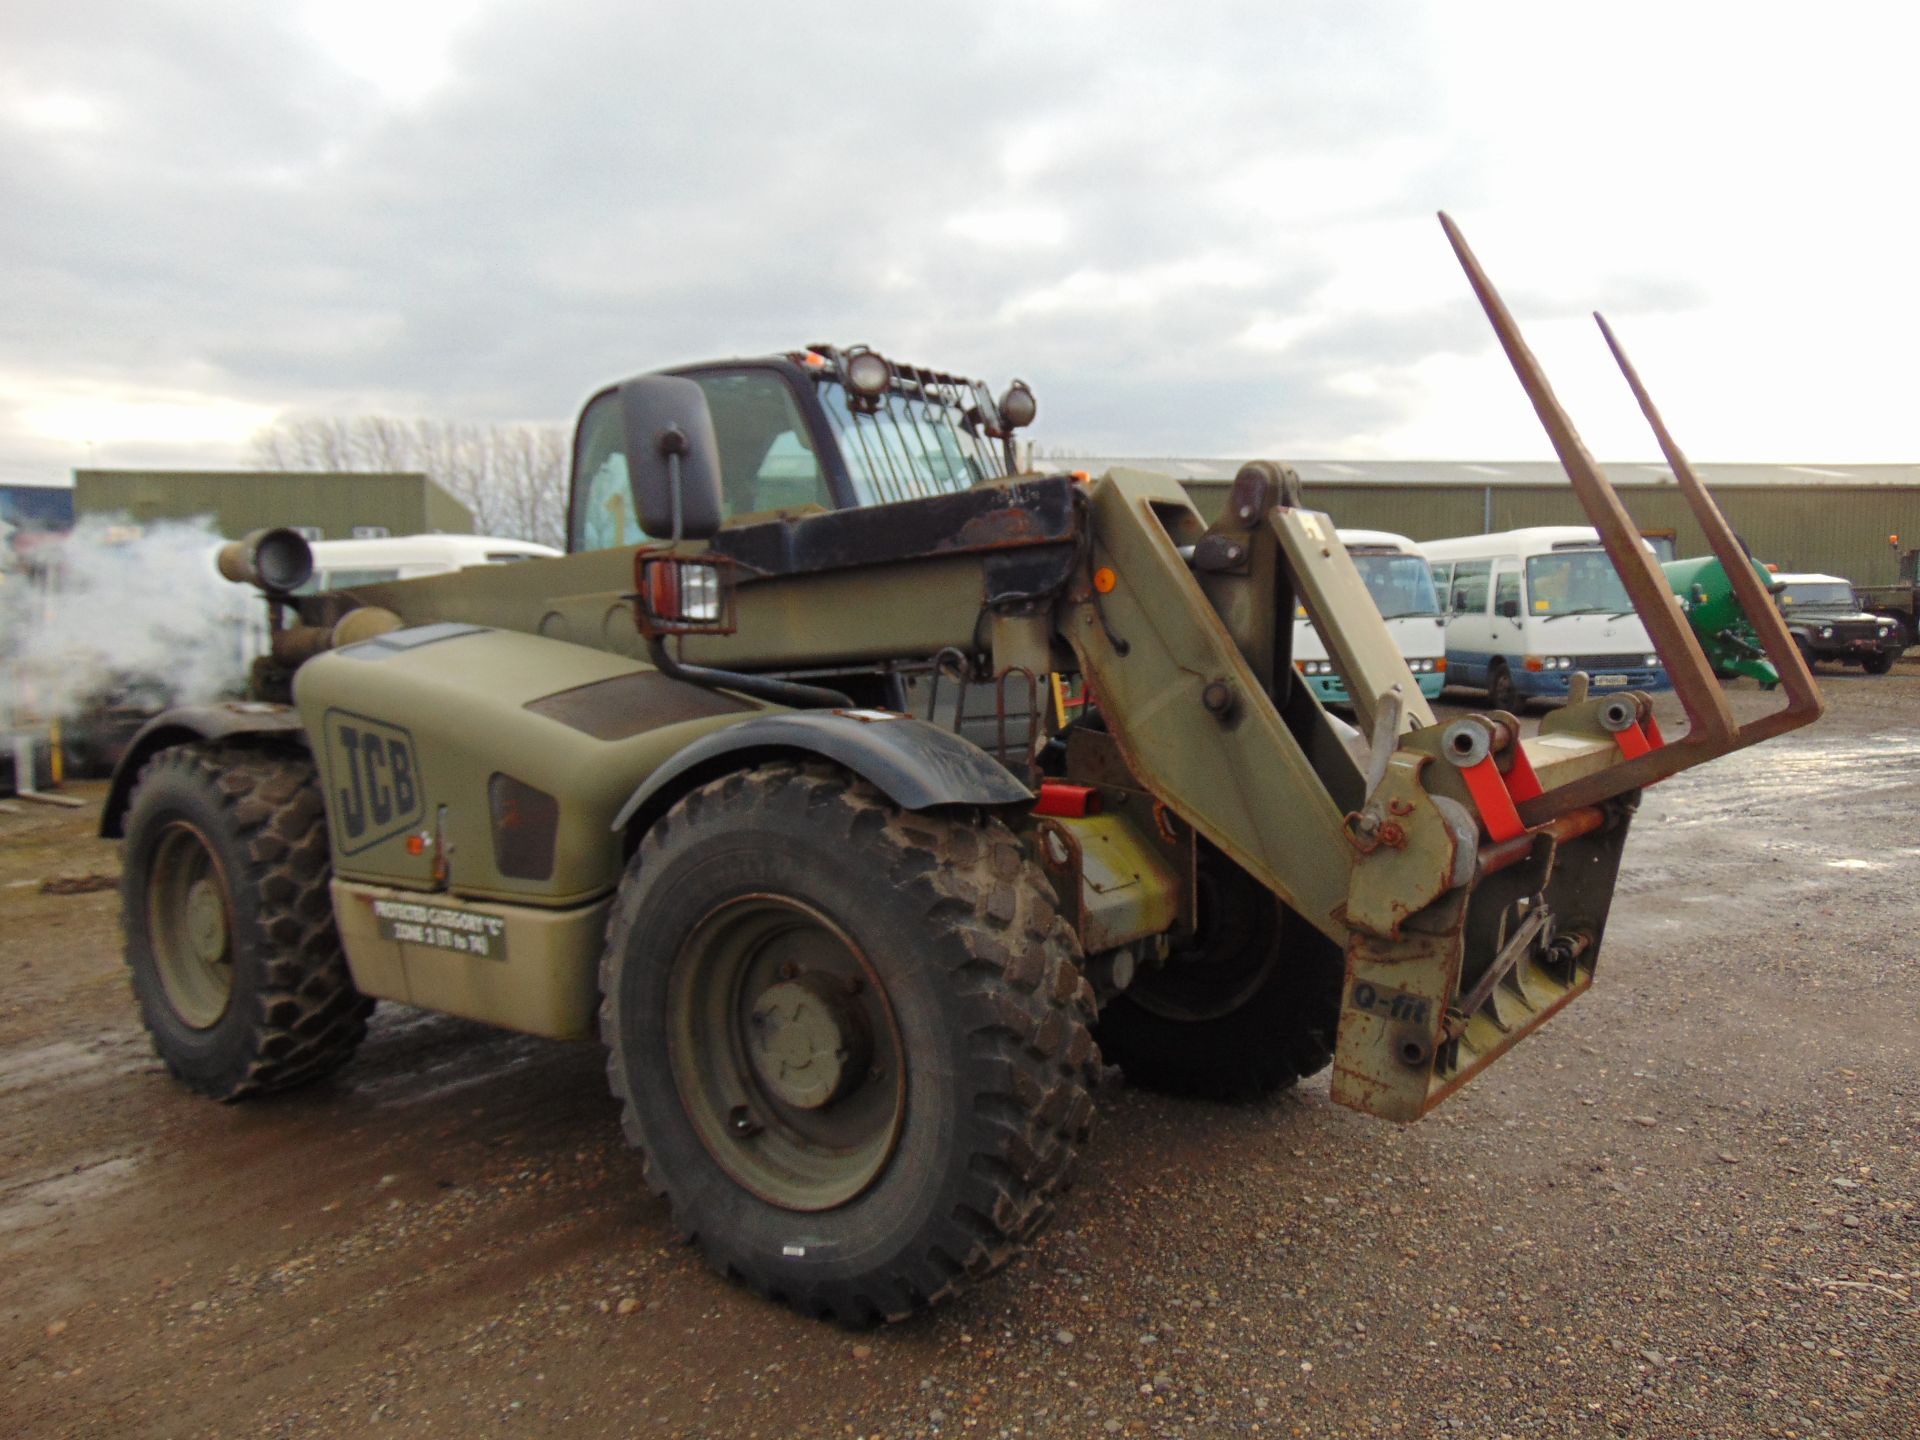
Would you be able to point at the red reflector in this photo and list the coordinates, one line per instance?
(1071, 802)
(660, 579)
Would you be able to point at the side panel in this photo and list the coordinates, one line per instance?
(516, 966)
(490, 764)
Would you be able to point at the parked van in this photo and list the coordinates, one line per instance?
(341, 564)
(1401, 584)
(1527, 608)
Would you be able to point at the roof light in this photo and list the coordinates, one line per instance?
(868, 376)
(1017, 406)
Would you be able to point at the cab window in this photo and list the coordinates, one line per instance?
(767, 458)
(1506, 593)
(602, 513)
(1470, 586)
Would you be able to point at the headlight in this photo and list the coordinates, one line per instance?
(1886, 630)
(1653, 660)
(1826, 632)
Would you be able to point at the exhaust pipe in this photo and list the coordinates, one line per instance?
(278, 561)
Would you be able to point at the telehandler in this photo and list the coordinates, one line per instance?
(854, 954)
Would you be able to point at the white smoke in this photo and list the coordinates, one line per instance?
(126, 615)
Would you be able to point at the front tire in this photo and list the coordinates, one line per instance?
(231, 946)
(1502, 693)
(851, 1042)
(1880, 663)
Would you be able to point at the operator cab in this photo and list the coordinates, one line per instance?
(820, 427)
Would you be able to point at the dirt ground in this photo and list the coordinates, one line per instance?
(1688, 1207)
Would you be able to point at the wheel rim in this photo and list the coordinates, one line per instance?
(191, 925)
(1233, 950)
(785, 1051)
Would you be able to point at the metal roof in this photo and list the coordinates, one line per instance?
(1480, 473)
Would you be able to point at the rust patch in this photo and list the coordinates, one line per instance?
(1012, 526)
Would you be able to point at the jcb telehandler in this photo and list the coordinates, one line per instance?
(855, 954)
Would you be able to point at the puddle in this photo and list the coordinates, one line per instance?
(62, 1060)
(40, 1201)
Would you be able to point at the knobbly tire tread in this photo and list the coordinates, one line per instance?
(298, 1017)
(1011, 978)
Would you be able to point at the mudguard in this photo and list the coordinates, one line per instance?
(182, 726)
(916, 765)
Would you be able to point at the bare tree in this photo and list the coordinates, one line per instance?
(512, 477)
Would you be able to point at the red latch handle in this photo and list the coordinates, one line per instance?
(1069, 802)
(1489, 790)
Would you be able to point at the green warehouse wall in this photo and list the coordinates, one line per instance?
(240, 501)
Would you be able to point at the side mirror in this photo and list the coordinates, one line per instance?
(1509, 608)
(672, 456)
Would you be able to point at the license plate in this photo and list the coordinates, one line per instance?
(1602, 682)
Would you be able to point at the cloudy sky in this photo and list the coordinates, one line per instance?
(1198, 229)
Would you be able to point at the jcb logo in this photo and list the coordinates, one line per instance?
(374, 781)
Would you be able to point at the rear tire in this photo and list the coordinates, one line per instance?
(851, 1042)
(231, 945)
(1250, 1008)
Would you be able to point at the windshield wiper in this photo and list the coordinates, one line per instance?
(1589, 610)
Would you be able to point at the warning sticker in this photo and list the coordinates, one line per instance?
(443, 928)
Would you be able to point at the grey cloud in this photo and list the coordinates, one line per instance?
(604, 188)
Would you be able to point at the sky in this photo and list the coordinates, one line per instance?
(1196, 230)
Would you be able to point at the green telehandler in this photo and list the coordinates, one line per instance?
(854, 957)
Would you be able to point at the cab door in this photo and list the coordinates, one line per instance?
(1469, 627)
(1507, 619)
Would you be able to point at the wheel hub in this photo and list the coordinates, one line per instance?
(785, 1051)
(191, 933)
(806, 1044)
(206, 923)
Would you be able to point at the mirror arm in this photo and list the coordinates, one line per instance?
(761, 687)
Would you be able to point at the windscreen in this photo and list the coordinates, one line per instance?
(1575, 582)
(1817, 596)
(918, 442)
(1400, 585)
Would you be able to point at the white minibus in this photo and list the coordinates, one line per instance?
(1527, 608)
(342, 564)
(1401, 584)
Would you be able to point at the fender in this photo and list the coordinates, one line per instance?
(916, 765)
(182, 726)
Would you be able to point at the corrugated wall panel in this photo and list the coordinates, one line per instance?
(1839, 529)
(240, 501)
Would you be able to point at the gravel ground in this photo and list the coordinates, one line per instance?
(1688, 1207)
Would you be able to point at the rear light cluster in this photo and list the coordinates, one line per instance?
(683, 595)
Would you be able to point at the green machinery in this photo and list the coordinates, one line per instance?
(856, 957)
(1714, 610)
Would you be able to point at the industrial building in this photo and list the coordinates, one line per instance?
(324, 506)
(1836, 519)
